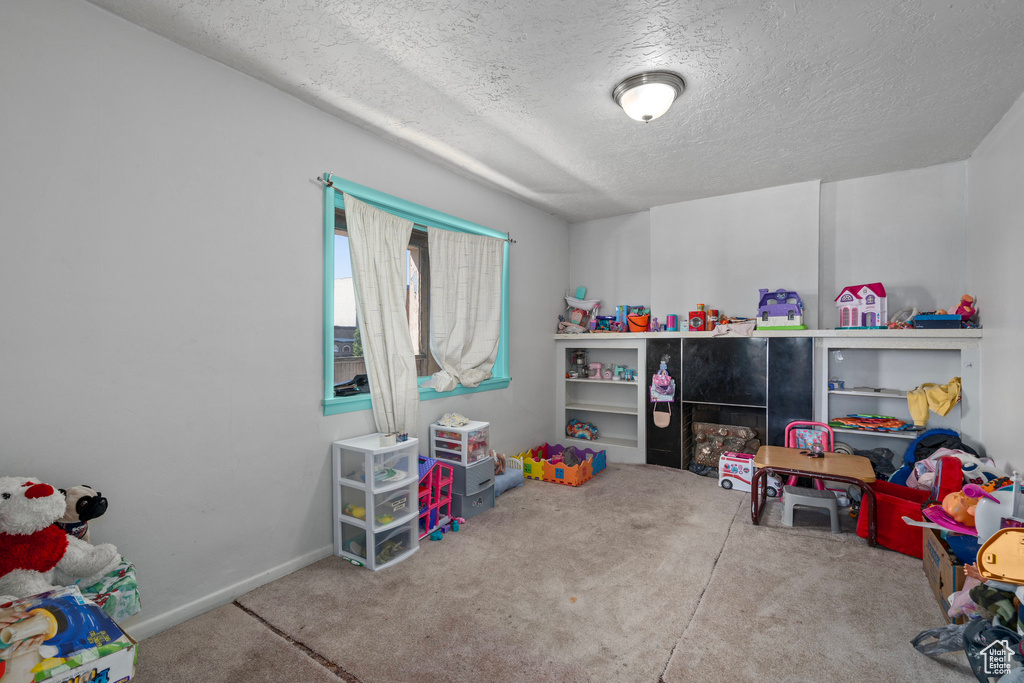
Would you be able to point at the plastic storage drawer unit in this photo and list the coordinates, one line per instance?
(467, 506)
(475, 478)
(463, 445)
(376, 516)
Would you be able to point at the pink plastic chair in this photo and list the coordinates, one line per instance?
(828, 441)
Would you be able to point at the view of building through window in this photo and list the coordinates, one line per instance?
(348, 352)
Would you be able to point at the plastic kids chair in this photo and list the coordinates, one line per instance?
(796, 438)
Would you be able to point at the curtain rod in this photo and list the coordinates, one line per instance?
(329, 182)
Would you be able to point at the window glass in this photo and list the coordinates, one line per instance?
(348, 349)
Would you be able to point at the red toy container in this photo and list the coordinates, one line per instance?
(895, 501)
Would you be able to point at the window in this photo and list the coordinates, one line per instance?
(342, 352)
(348, 356)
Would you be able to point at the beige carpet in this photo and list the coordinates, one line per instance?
(642, 574)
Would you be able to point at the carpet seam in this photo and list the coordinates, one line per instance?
(700, 598)
(335, 669)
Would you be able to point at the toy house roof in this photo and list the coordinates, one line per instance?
(875, 287)
(781, 296)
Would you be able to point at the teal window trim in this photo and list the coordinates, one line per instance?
(334, 199)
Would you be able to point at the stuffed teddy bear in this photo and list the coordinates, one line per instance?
(83, 504)
(36, 555)
(499, 462)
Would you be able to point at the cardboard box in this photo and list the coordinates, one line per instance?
(937, 322)
(944, 571)
(63, 638)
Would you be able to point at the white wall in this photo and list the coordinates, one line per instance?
(611, 258)
(720, 251)
(160, 258)
(996, 247)
(905, 230)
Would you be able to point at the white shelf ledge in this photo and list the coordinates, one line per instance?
(868, 391)
(597, 408)
(603, 381)
(602, 442)
(908, 435)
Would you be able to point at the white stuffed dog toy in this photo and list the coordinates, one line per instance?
(35, 555)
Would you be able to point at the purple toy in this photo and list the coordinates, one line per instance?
(780, 310)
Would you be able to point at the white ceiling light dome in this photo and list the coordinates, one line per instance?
(646, 96)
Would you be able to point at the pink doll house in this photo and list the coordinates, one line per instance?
(862, 306)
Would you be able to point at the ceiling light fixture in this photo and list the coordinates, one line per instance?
(645, 97)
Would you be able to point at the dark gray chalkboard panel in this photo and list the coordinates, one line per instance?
(732, 371)
(663, 443)
(790, 384)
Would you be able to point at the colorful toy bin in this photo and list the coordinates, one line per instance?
(544, 463)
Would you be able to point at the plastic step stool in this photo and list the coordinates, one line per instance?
(810, 498)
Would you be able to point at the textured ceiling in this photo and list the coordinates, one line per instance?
(518, 94)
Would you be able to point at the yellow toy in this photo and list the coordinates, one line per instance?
(357, 511)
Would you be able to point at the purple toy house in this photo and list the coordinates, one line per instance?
(862, 306)
(780, 310)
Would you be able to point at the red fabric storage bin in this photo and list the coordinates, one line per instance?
(896, 501)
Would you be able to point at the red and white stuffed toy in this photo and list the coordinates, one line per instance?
(35, 555)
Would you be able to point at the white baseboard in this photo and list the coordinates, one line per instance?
(144, 628)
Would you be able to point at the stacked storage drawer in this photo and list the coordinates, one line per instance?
(474, 489)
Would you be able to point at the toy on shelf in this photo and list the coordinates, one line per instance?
(577, 429)
(698, 320)
(862, 307)
(780, 310)
(966, 309)
(580, 309)
(638, 319)
(578, 369)
(958, 317)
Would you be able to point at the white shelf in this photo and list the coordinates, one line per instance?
(873, 393)
(597, 408)
(901, 358)
(906, 434)
(603, 381)
(602, 442)
(615, 407)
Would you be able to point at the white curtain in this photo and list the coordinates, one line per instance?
(378, 243)
(465, 306)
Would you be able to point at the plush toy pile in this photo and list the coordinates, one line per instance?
(36, 555)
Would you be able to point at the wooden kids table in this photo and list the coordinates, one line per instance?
(783, 461)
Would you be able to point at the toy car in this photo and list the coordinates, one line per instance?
(736, 470)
